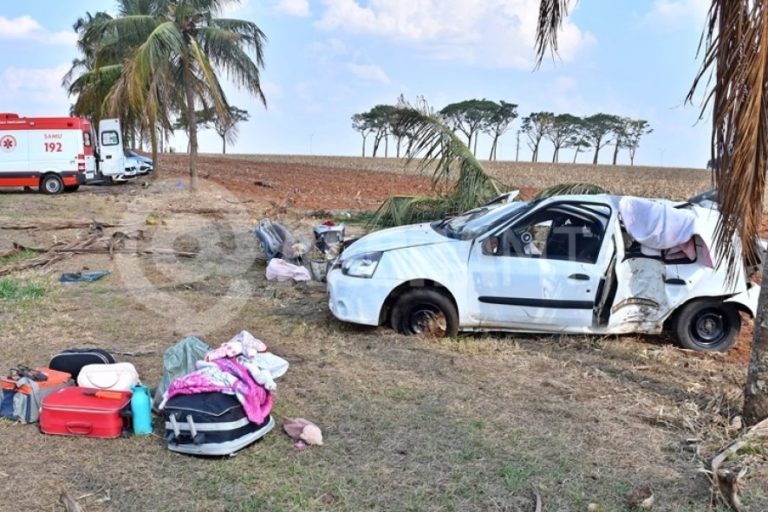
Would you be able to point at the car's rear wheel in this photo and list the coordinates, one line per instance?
(708, 325)
(425, 311)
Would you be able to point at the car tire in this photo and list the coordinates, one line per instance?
(425, 311)
(707, 325)
(71, 188)
(51, 184)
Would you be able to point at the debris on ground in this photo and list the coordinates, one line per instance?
(83, 277)
(280, 270)
(303, 432)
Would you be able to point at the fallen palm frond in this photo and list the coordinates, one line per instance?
(570, 188)
(441, 152)
(401, 210)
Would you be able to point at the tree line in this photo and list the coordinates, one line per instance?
(476, 117)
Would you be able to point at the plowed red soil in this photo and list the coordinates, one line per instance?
(302, 186)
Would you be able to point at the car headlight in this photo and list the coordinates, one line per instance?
(361, 265)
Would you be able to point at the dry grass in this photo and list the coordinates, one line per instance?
(475, 423)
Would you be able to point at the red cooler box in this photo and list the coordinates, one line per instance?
(85, 412)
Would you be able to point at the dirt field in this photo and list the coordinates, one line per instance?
(475, 423)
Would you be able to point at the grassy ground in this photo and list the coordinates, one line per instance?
(474, 423)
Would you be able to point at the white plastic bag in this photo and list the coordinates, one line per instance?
(280, 270)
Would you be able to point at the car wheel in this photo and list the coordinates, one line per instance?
(708, 326)
(425, 311)
(51, 184)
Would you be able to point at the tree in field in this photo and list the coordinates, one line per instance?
(361, 123)
(620, 133)
(176, 50)
(226, 127)
(535, 126)
(735, 46)
(597, 129)
(203, 121)
(560, 131)
(379, 119)
(497, 122)
(578, 143)
(468, 117)
(635, 130)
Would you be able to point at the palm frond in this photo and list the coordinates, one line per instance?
(735, 48)
(570, 188)
(227, 50)
(208, 75)
(439, 151)
(551, 16)
(401, 210)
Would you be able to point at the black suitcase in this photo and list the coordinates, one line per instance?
(210, 424)
(72, 360)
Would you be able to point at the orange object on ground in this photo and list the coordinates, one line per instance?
(55, 379)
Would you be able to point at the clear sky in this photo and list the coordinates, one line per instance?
(328, 59)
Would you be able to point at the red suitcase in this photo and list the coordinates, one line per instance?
(86, 412)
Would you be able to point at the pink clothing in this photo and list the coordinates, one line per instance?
(225, 376)
(243, 343)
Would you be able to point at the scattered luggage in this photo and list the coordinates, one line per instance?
(87, 412)
(213, 424)
(178, 361)
(25, 388)
(74, 359)
(112, 377)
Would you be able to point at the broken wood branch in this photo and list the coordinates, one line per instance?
(70, 505)
(51, 226)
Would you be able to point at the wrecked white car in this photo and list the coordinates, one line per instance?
(593, 264)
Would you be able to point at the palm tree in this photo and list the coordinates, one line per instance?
(735, 54)
(175, 48)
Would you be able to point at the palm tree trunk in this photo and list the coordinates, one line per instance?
(756, 388)
(153, 142)
(192, 125)
(363, 146)
(223, 145)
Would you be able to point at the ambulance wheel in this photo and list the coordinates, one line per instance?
(708, 325)
(71, 188)
(51, 184)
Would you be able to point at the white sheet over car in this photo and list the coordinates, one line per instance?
(656, 224)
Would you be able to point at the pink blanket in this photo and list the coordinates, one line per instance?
(225, 376)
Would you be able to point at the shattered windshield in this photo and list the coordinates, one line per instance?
(477, 221)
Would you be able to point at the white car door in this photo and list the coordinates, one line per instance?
(542, 273)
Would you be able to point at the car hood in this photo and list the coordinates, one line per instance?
(397, 238)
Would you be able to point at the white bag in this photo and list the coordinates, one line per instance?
(280, 270)
(113, 377)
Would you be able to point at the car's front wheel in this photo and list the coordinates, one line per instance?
(708, 325)
(425, 311)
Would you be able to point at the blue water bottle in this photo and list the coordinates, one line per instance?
(141, 411)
